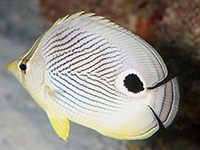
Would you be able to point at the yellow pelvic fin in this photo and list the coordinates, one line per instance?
(61, 126)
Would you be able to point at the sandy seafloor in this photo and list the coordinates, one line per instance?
(23, 124)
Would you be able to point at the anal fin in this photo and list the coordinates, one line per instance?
(61, 126)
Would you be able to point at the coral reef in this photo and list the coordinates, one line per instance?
(130, 14)
(181, 25)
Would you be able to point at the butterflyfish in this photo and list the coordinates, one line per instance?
(88, 70)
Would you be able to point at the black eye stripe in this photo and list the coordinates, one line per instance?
(22, 67)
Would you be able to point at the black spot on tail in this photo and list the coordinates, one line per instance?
(133, 84)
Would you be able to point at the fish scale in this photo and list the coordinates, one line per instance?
(71, 68)
(89, 70)
(53, 39)
(85, 57)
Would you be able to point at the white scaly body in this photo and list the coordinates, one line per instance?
(77, 70)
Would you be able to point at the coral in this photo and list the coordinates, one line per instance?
(181, 25)
(137, 16)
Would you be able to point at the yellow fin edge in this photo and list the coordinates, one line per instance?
(61, 126)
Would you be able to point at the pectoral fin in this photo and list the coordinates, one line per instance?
(61, 126)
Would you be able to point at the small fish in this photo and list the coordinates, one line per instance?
(89, 70)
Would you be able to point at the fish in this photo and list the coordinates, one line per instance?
(89, 70)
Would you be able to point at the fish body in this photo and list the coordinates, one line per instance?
(89, 70)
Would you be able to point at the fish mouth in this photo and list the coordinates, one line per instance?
(12, 66)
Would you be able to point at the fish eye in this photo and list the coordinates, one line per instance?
(133, 83)
(22, 67)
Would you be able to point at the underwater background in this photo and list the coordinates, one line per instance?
(171, 27)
